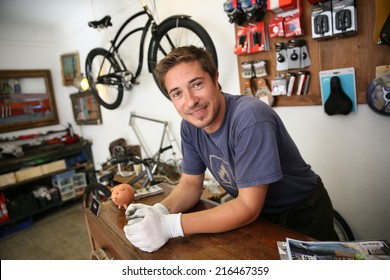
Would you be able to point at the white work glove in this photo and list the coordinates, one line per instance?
(136, 210)
(154, 230)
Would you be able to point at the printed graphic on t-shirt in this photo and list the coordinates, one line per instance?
(222, 172)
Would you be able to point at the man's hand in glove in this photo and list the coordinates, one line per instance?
(154, 230)
(136, 210)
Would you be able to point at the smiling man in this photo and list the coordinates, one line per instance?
(246, 147)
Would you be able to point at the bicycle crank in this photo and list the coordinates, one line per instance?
(127, 79)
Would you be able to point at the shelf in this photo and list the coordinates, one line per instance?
(41, 155)
(27, 198)
(35, 212)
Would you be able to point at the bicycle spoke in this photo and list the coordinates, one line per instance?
(177, 37)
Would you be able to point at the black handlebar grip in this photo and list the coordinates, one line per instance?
(166, 148)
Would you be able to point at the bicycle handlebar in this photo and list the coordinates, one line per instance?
(166, 148)
(134, 160)
(123, 158)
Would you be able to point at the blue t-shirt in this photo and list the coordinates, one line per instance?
(252, 147)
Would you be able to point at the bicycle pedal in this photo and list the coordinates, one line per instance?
(128, 85)
(127, 80)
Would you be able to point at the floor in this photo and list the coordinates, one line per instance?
(58, 235)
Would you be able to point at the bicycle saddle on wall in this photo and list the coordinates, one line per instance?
(338, 101)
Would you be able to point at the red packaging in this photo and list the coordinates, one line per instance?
(241, 46)
(280, 6)
(276, 27)
(293, 26)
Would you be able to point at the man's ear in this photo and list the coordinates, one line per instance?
(216, 83)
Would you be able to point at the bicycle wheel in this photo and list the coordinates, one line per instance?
(177, 32)
(97, 191)
(343, 231)
(103, 74)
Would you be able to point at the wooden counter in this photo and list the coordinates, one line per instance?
(255, 241)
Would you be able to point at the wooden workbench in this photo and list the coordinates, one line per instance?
(256, 241)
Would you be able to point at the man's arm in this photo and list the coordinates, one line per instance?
(156, 227)
(233, 214)
(186, 193)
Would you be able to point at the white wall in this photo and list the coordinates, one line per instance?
(349, 152)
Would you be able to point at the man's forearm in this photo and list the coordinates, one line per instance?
(182, 198)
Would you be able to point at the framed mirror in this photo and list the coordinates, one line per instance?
(26, 100)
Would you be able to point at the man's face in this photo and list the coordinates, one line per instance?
(195, 96)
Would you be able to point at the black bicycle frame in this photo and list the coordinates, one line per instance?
(115, 45)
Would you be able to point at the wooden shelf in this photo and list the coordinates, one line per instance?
(359, 51)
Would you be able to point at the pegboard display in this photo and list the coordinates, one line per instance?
(358, 50)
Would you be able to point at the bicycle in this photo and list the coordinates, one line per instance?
(151, 175)
(106, 71)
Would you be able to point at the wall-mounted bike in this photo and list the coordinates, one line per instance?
(108, 74)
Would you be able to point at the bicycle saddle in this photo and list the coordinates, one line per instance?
(338, 101)
(103, 23)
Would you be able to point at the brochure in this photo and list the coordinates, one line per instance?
(294, 249)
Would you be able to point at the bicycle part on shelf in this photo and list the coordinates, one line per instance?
(107, 73)
(102, 71)
(378, 97)
(170, 34)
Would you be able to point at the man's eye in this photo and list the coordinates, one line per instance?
(175, 94)
(197, 84)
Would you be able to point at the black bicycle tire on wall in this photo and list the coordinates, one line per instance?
(92, 55)
(99, 191)
(343, 231)
(168, 25)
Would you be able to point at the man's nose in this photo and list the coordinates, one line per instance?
(191, 98)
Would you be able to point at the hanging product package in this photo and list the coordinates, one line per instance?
(338, 91)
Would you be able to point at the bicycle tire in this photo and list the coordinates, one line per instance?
(182, 31)
(97, 191)
(343, 231)
(100, 64)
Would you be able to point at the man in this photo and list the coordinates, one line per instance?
(246, 147)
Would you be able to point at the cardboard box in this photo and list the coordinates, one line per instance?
(53, 166)
(28, 173)
(7, 179)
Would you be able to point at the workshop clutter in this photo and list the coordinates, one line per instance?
(19, 205)
(70, 184)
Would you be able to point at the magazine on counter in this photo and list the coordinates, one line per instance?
(293, 249)
(147, 191)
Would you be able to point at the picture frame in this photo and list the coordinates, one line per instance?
(70, 68)
(86, 109)
(27, 100)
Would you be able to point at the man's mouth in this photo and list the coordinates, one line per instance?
(197, 112)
